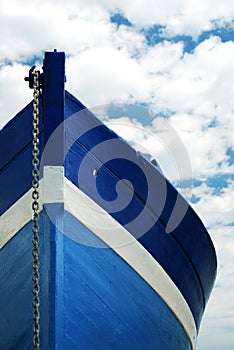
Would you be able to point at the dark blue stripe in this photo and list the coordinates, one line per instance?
(16, 177)
(16, 136)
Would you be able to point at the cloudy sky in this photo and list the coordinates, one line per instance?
(174, 57)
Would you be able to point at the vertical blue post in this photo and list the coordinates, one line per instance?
(53, 102)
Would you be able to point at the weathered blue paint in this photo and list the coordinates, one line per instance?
(16, 289)
(94, 299)
(106, 304)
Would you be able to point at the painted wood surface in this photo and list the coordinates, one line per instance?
(124, 306)
(94, 299)
(16, 290)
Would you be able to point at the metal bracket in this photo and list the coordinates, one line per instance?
(30, 78)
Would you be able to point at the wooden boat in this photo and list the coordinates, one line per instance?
(112, 275)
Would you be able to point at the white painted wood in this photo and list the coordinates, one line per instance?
(16, 217)
(53, 184)
(51, 190)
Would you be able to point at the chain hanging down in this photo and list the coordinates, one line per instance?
(35, 217)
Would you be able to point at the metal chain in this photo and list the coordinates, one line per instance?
(35, 217)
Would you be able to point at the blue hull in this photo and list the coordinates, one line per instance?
(95, 295)
(100, 303)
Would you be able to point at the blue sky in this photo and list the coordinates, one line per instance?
(174, 58)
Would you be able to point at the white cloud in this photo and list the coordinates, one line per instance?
(27, 28)
(195, 79)
(217, 212)
(13, 91)
(105, 74)
(189, 17)
(217, 329)
(215, 209)
(199, 90)
(206, 146)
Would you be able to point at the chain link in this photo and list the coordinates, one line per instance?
(35, 217)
